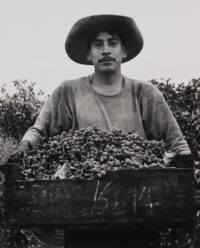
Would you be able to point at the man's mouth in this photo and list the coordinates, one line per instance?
(106, 60)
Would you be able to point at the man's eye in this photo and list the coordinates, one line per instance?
(113, 43)
(97, 44)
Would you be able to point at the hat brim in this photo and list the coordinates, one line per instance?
(85, 28)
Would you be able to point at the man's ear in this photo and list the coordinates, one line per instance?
(125, 53)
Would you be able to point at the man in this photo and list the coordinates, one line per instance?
(109, 100)
(106, 98)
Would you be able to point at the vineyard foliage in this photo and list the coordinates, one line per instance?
(19, 110)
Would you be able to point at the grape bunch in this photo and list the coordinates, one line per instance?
(90, 152)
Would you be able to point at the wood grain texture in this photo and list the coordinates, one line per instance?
(144, 196)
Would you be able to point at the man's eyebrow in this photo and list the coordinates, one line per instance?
(114, 38)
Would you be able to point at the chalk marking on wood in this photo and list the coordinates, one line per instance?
(149, 203)
(142, 193)
(101, 196)
(135, 200)
(95, 197)
(149, 200)
(105, 188)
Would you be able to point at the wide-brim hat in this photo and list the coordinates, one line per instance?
(76, 44)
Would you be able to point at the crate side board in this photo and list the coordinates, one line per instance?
(120, 197)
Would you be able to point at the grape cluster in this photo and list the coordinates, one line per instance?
(90, 152)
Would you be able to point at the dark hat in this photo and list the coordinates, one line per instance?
(85, 28)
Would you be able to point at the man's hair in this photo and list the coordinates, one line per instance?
(111, 32)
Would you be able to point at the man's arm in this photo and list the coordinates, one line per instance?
(54, 117)
(36, 134)
(160, 123)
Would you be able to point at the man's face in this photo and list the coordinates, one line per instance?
(106, 52)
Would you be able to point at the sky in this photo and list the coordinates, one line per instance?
(33, 33)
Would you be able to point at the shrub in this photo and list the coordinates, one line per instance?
(19, 110)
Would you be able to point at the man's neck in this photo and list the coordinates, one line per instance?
(107, 84)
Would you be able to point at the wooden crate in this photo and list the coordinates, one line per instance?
(127, 197)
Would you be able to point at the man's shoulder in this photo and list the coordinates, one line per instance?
(70, 86)
(145, 87)
(73, 83)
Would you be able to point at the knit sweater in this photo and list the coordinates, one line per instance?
(139, 106)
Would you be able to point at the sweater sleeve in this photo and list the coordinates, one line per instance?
(53, 118)
(37, 134)
(160, 123)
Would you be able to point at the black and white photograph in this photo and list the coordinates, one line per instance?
(99, 124)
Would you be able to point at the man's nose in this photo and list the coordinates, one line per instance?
(106, 53)
(106, 50)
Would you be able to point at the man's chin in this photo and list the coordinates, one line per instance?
(107, 70)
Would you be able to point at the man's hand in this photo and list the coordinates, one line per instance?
(184, 161)
(17, 155)
(25, 146)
